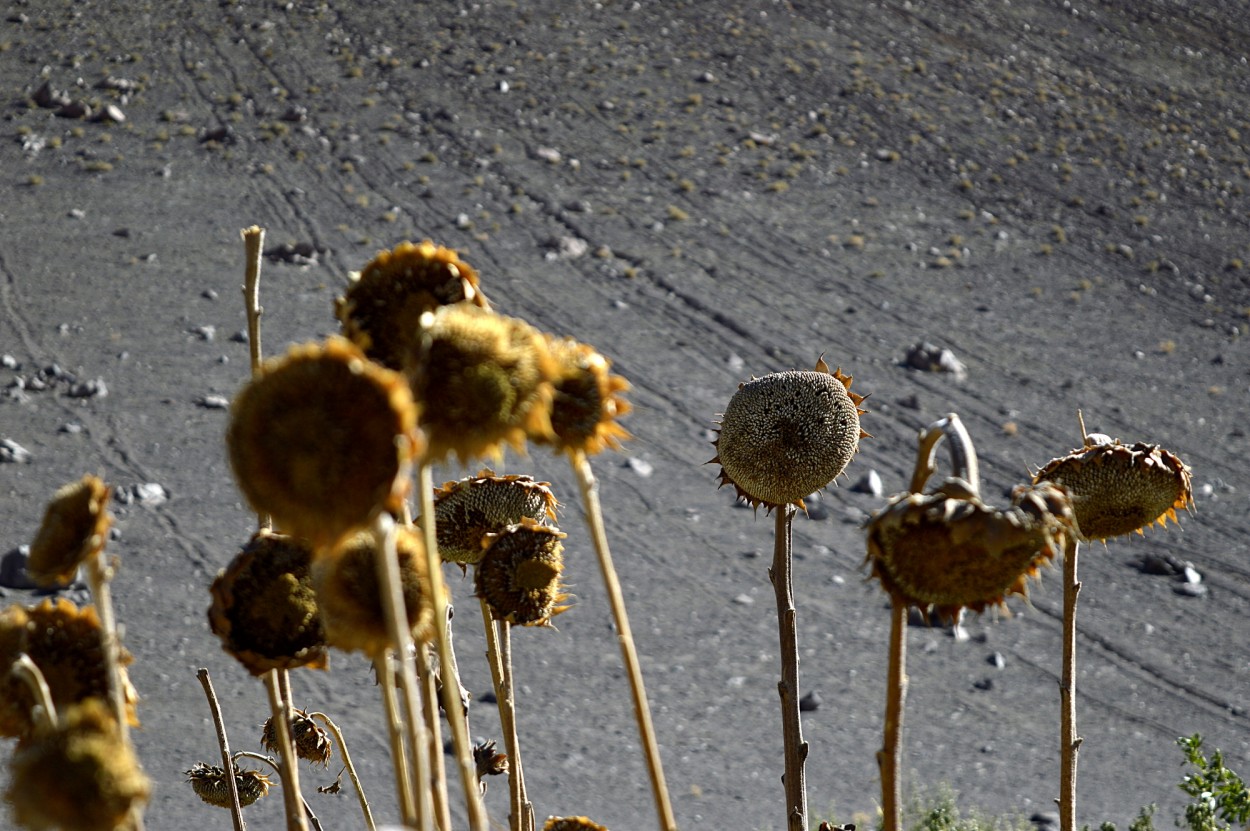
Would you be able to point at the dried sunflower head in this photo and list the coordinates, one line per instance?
(382, 307)
(1117, 489)
(210, 785)
(788, 434)
(467, 510)
(572, 824)
(346, 582)
(78, 776)
(322, 439)
(311, 740)
(588, 399)
(948, 551)
(67, 644)
(264, 609)
(75, 526)
(519, 575)
(482, 379)
(488, 760)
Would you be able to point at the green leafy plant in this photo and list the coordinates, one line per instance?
(1221, 798)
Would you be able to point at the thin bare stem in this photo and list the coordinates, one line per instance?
(391, 586)
(963, 454)
(795, 779)
(253, 242)
(896, 696)
(629, 653)
(499, 656)
(27, 670)
(227, 761)
(98, 576)
(351, 769)
(384, 668)
(433, 727)
(1069, 741)
(308, 814)
(452, 707)
(289, 769)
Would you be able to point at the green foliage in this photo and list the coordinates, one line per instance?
(1220, 796)
(937, 810)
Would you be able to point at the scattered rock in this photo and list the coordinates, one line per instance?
(9, 362)
(811, 702)
(72, 428)
(144, 493)
(89, 389)
(13, 569)
(204, 333)
(13, 453)
(299, 253)
(985, 684)
(566, 248)
(744, 600)
(640, 466)
(1191, 575)
(997, 660)
(49, 98)
(213, 402)
(548, 154)
(929, 358)
(1158, 566)
(1190, 590)
(870, 483)
(111, 114)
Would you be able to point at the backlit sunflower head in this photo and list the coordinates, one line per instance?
(346, 582)
(588, 400)
(382, 307)
(1118, 489)
(519, 575)
(947, 551)
(264, 609)
(467, 510)
(80, 775)
(482, 380)
(75, 527)
(67, 644)
(788, 434)
(322, 440)
(210, 785)
(312, 743)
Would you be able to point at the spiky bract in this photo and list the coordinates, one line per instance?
(588, 400)
(382, 307)
(312, 742)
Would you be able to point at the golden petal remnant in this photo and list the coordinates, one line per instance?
(382, 307)
(519, 575)
(483, 380)
(572, 824)
(74, 529)
(788, 434)
(588, 400)
(264, 609)
(322, 440)
(948, 551)
(1118, 489)
(346, 582)
(81, 775)
(466, 510)
(210, 785)
(67, 644)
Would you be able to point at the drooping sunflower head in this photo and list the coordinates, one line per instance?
(210, 785)
(264, 609)
(788, 434)
(67, 644)
(312, 743)
(80, 775)
(482, 380)
(322, 440)
(1118, 489)
(572, 824)
(948, 551)
(588, 400)
(74, 529)
(467, 510)
(346, 582)
(382, 307)
(519, 575)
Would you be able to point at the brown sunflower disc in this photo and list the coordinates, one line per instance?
(467, 510)
(519, 575)
(588, 400)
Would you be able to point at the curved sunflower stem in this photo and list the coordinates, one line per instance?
(391, 583)
(781, 576)
(28, 671)
(896, 696)
(308, 811)
(289, 769)
(963, 454)
(452, 706)
(499, 656)
(227, 761)
(1069, 741)
(351, 769)
(642, 711)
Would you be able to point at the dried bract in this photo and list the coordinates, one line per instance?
(467, 510)
(312, 743)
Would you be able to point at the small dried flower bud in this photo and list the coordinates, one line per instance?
(467, 510)
(78, 776)
(519, 575)
(312, 743)
(788, 434)
(210, 785)
(382, 307)
(488, 760)
(75, 527)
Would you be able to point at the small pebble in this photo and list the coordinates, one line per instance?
(13, 569)
(9, 362)
(208, 294)
(640, 466)
(870, 483)
(986, 684)
(205, 333)
(72, 428)
(997, 660)
(213, 402)
(744, 600)
(89, 389)
(810, 703)
(145, 493)
(13, 453)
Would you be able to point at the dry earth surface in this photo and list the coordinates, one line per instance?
(1056, 192)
